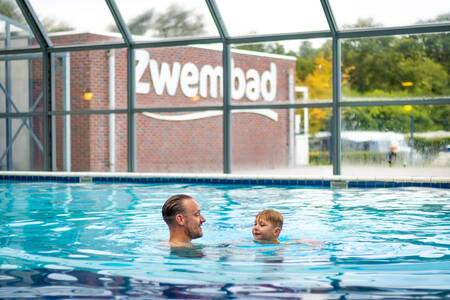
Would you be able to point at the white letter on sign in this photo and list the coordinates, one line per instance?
(165, 78)
(189, 76)
(269, 83)
(253, 85)
(142, 58)
(237, 77)
(215, 76)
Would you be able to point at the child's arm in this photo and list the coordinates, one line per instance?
(307, 241)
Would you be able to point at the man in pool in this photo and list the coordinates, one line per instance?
(182, 215)
(267, 227)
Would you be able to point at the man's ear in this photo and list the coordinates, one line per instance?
(179, 219)
(277, 231)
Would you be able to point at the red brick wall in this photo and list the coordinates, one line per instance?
(168, 146)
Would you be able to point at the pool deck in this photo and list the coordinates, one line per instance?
(269, 177)
(357, 171)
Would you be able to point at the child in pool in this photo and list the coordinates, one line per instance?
(267, 229)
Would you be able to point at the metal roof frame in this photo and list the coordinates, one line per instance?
(47, 49)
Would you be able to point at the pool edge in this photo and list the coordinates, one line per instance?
(334, 181)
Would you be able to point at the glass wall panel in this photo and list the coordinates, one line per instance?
(281, 141)
(14, 30)
(89, 21)
(97, 80)
(376, 141)
(396, 67)
(93, 143)
(21, 85)
(149, 20)
(266, 17)
(21, 144)
(179, 142)
(381, 13)
(282, 72)
(179, 76)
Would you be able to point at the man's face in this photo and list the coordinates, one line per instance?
(193, 220)
(264, 231)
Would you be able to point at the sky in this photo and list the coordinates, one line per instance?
(250, 16)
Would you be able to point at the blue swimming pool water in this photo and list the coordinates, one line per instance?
(107, 241)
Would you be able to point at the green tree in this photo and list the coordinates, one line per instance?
(305, 60)
(274, 48)
(176, 21)
(9, 9)
(52, 25)
(141, 23)
(436, 46)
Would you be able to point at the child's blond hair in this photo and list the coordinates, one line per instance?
(272, 216)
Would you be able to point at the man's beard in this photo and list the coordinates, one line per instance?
(193, 233)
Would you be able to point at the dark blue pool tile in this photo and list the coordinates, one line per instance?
(326, 183)
(436, 184)
(426, 184)
(276, 181)
(370, 184)
(445, 185)
(301, 182)
(389, 184)
(353, 184)
(399, 184)
(379, 184)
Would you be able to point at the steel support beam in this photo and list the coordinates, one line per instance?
(67, 152)
(121, 25)
(336, 128)
(226, 62)
(227, 117)
(9, 141)
(131, 114)
(45, 43)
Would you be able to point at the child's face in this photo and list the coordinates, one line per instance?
(264, 231)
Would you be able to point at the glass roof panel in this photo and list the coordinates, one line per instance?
(388, 13)
(167, 19)
(61, 17)
(14, 31)
(269, 17)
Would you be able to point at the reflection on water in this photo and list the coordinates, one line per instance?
(37, 283)
(193, 251)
